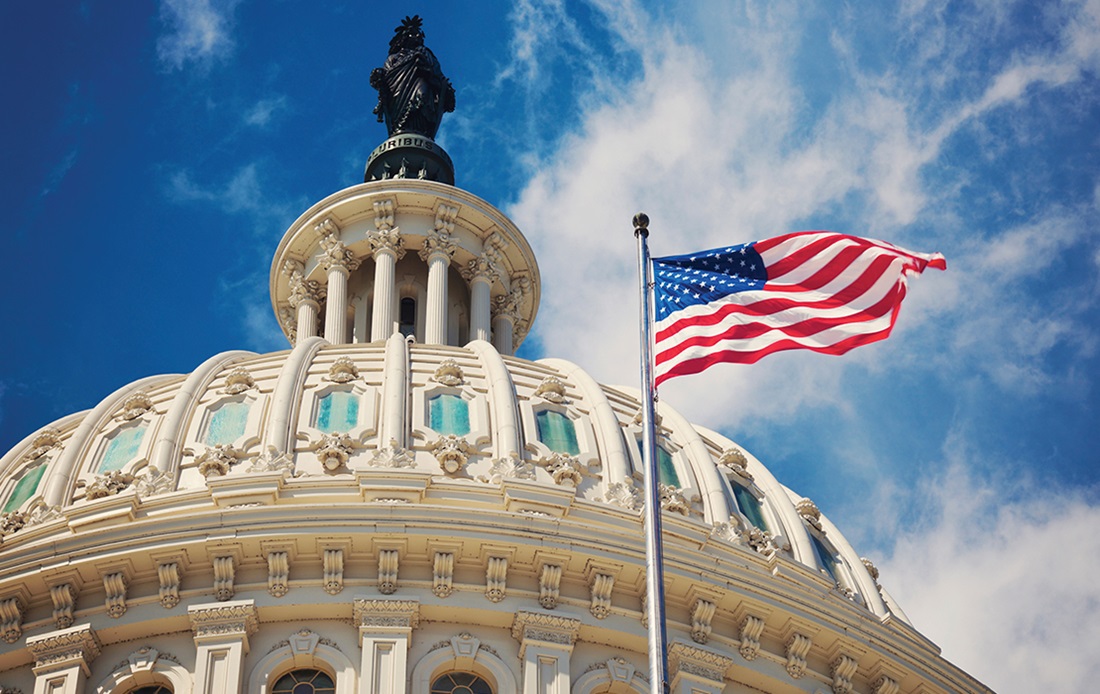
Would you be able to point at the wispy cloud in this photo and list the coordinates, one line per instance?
(196, 31)
(264, 110)
(244, 196)
(57, 173)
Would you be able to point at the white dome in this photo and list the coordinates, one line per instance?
(398, 453)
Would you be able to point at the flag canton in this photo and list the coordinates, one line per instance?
(681, 281)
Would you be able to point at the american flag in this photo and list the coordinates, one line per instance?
(816, 290)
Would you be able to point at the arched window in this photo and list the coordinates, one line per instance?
(406, 316)
(460, 683)
(227, 424)
(304, 681)
(337, 411)
(122, 448)
(150, 689)
(25, 487)
(449, 414)
(557, 432)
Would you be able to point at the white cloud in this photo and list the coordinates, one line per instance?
(717, 141)
(197, 31)
(1004, 580)
(261, 113)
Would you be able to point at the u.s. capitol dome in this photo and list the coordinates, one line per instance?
(399, 504)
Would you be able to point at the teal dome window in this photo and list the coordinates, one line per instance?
(449, 414)
(749, 506)
(337, 411)
(25, 488)
(227, 424)
(123, 448)
(557, 432)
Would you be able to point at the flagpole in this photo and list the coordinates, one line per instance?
(654, 574)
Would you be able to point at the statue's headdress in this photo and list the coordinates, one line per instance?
(408, 35)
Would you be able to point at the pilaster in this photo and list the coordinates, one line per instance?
(221, 632)
(695, 670)
(385, 630)
(62, 659)
(546, 645)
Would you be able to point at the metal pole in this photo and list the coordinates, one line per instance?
(654, 570)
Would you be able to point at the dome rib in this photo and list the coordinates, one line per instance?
(166, 448)
(60, 481)
(715, 506)
(609, 439)
(504, 420)
(288, 394)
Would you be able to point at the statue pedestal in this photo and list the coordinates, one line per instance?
(409, 155)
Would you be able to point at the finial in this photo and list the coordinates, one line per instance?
(641, 221)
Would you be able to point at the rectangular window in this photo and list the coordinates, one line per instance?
(557, 432)
(25, 488)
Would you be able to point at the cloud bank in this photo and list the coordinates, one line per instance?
(723, 134)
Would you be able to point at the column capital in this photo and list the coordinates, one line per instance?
(509, 305)
(699, 664)
(484, 267)
(335, 255)
(64, 648)
(372, 614)
(388, 240)
(438, 243)
(303, 290)
(546, 629)
(237, 619)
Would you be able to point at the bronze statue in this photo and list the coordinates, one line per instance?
(413, 94)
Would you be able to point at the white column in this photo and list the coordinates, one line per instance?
(338, 262)
(387, 247)
(385, 295)
(480, 273)
(385, 629)
(221, 632)
(63, 659)
(546, 643)
(437, 252)
(305, 298)
(336, 310)
(506, 313)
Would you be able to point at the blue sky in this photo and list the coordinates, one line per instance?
(155, 153)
